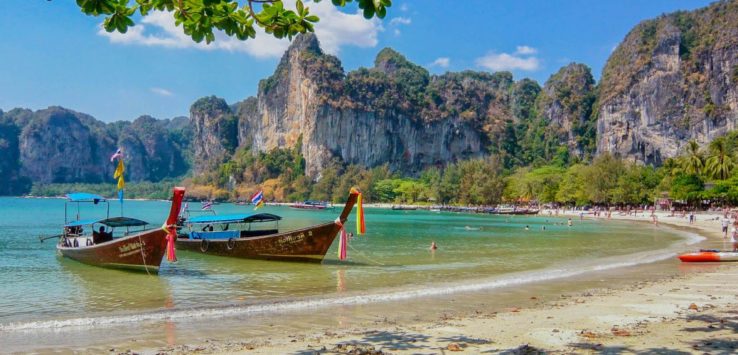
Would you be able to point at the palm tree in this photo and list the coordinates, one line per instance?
(672, 166)
(720, 163)
(692, 162)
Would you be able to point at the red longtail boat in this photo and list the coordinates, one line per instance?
(120, 242)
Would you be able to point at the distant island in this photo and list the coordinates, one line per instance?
(658, 124)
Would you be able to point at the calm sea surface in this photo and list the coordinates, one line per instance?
(40, 289)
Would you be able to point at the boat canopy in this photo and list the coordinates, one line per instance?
(110, 222)
(235, 218)
(85, 197)
(123, 222)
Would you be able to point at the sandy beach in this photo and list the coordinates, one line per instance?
(686, 312)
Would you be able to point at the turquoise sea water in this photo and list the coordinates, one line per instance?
(40, 289)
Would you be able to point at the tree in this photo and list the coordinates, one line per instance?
(692, 162)
(601, 177)
(720, 163)
(200, 17)
(571, 187)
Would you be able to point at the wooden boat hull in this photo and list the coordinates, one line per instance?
(305, 245)
(709, 256)
(142, 251)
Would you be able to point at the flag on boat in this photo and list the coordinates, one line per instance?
(118, 174)
(117, 155)
(360, 224)
(206, 205)
(258, 199)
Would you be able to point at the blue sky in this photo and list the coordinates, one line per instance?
(52, 54)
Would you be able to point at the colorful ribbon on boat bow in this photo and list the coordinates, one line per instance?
(360, 226)
(342, 241)
(171, 238)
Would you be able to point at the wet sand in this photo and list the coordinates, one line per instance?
(670, 308)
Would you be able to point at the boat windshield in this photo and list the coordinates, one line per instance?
(234, 218)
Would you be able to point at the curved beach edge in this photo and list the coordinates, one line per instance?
(692, 311)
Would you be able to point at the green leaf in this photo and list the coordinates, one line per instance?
(368, 13)
(381, 12)
(300, 8)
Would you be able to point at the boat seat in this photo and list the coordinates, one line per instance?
(214, 235)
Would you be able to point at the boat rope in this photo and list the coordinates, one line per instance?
(365, 256)
(143, 257)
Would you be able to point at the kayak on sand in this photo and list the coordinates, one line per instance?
(709, 255)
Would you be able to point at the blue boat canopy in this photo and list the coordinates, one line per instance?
(110, 222)
(85, 197)
(235, 218)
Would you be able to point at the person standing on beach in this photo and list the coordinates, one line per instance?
(725, 225)
(691, 217)
(734, 238)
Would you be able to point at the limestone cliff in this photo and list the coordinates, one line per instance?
(214, 129)
(11, 180)
(58, 145)
(394, 113)
(150, 151)
(671, 80)
(565, 104)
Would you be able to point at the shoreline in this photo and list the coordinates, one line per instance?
(581, 313)
(689, 310)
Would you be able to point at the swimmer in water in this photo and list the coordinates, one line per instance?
(569, 222)
(433, 246)
(527, 228)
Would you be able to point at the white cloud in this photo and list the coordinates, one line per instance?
(397, 32)
(404, 7)
(505, 61)
(335, 30)
(525, 50)
(442, 62)
(401, 21)
(161, 91)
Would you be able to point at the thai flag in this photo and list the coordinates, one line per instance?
(258, 199)
(207, 205)
(118, 154)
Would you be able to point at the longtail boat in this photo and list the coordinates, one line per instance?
(114, 244)
(233, 235)
(310, 205)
